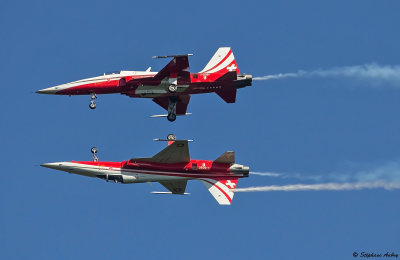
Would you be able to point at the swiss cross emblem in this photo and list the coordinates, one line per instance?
(230, 184)
(232, 67)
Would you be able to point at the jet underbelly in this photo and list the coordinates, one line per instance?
(152, 91)
(154, 177)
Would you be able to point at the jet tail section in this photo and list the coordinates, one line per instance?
(222, 61)
(221, 189)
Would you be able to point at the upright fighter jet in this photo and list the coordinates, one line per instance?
(170, 88)
(172, 167)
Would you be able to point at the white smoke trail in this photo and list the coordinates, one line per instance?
(386, 171)
(282, 75)
(389, 171)
(270, 174)
(332, 186)
(372, 71)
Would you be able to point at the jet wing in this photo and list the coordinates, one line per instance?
(182, 102)
(176, 187)
(177, 67)
(177, 152)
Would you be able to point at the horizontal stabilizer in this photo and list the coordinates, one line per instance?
(229, 95)
(227, 157)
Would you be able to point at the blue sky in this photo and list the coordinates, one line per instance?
(300, 126)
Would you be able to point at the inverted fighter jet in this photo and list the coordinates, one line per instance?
(170, 88)
(172, 168)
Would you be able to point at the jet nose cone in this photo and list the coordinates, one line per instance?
(52, 90)
(55, 166)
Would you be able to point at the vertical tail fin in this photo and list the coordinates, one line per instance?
(222, 61)
(221, 189)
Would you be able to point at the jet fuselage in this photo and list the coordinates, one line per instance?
(138, 171)
(141, 84)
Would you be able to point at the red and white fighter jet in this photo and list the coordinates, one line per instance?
(172, 167)
(170, 88)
